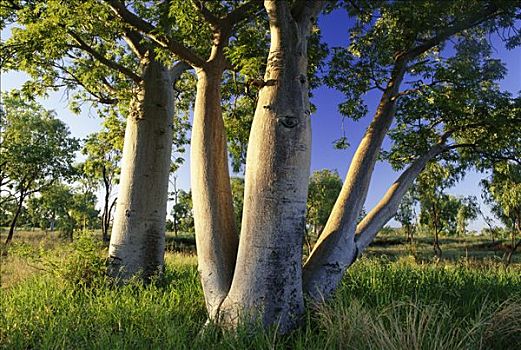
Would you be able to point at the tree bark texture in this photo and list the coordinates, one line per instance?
(216, 235)
(138, 235)
(267, 284)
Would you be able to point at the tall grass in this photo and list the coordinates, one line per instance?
(381, 304)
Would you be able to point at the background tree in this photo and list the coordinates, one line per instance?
(406, 213)
(182, 213)
(438, 210)
(503, 191)
(468, 210)
(237, 186)
(36, 151)
(103, 150)
(324, 187)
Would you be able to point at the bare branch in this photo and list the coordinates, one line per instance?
(75, 79)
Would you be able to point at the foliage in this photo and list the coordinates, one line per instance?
(468, 210)
(182, 212)
(62, 207)
(406, 214)
(503, 191)
(324, 187)
(84, 266)
(237, 184)
(450, 93)
(36, 150)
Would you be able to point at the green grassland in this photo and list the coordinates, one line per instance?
(55, 296)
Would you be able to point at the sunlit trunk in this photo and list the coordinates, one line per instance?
(137, 242)
(267, 284)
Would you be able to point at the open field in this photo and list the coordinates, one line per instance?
(54, 296)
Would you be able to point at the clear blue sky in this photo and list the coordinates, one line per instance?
(326, 122)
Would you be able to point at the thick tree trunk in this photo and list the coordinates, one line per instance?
(336, 248)
(138, 235)
(216, 235)
(267, 284)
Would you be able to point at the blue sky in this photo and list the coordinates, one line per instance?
(326, 122)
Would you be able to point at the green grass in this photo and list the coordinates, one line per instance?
(387, 302)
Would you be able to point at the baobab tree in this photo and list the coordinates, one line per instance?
(260, 276)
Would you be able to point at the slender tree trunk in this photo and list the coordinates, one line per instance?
(436, 243)
(15, 218)
(215, 232)
(175, 206)
(138, 235)
(436, 246)
(106, 217)
(514, 246)
(267, 284)
(386, 208)
(336, 249)
(106, 208)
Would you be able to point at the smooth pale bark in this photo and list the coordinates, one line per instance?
(216, 235)
(137, 242)
(335, 249)
(267, 284)
(386, 208)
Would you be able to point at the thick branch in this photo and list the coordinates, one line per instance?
(178, 69)
(336, 249)
(151, 32)
(100, 57)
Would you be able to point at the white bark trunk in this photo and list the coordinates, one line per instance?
(216, 235)
(137, 242)
(267, 284)
(386, 208)
(336, 248)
